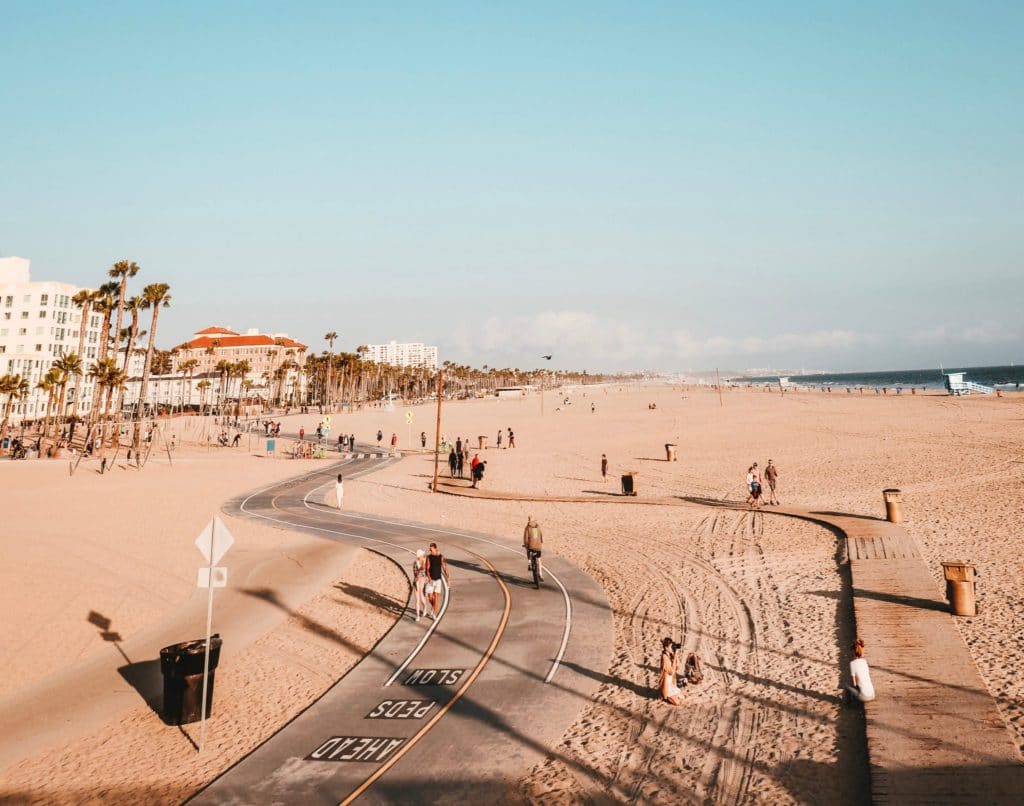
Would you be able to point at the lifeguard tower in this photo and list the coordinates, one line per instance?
(957, 384)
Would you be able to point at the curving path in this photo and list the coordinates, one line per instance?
(456, 710)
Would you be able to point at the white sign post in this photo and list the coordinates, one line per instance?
(213, 542)
(408, 428)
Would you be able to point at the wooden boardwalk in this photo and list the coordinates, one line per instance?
(934, 733)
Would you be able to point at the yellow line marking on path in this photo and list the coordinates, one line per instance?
(458, 695)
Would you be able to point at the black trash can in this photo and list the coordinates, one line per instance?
(182, 668)
(629, 483)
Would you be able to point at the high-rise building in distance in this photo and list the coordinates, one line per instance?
(414, 354)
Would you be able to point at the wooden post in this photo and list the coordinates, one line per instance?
(718, 382)
(437, 433)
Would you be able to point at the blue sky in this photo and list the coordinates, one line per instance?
(626, 185)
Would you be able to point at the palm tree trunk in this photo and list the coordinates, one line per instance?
(137, 434)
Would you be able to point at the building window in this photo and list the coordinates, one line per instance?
(22, 331)
(39, 348)
(9, 301)
(42, 314)
(24, 314)
(44, 299)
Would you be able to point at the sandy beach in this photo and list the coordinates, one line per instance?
(763, 600)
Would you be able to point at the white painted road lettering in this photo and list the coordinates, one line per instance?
(433, 677)
(402, 709)
(374, 749)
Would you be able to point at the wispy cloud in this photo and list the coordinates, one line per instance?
(987, 332)
(593, 338)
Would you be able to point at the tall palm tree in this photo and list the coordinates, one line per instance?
(202, 386)
(133, 305)
(155, 296)
(330, 336)
(224, 368)
(121, 271)
(67, 365)
(187, 367)
(84, 299)
(48, 383)
(14, 387)
(103, 303)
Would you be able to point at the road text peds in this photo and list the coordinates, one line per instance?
(372, 749)
(402, 709)
(433, 677)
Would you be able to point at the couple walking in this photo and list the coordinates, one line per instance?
(754, 489)
(430, 576)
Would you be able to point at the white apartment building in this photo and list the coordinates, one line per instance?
(414, 354)
(38, 324)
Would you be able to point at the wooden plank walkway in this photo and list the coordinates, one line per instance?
(934, 733)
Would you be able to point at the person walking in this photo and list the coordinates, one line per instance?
(380, 436)
(423, 439)
(511, 439)
(771, 476)
(670, 691)
(499, 438)
(339, 491)
(860, 675)
(460, 463)
(458, 445)
(753, 486)
(533, 542)
(341, 442)
(394, 443)
(604, 467)
(453, 462)
(437, 577)
(419, 583)
(302, 433)
(478, 472)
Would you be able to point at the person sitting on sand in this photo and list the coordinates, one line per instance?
(862, 688)
(670, 691)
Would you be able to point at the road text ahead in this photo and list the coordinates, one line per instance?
(373, 749)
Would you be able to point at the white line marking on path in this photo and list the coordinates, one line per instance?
(565, 594)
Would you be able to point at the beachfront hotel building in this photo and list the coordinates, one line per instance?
(415, 354)
(265, 352)
(38, 324)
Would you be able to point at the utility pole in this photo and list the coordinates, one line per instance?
(437, 432)
(718, 383)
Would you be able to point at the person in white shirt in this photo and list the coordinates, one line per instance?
(339, 490)
(862, 689)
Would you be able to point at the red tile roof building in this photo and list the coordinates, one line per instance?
(265, 352)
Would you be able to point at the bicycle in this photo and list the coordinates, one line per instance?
(535, 568)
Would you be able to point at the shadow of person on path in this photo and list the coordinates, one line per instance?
(372, 598)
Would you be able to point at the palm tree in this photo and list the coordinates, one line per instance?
(103, 303)
(121, 271)
(67, 365)
(187, 367)
(330, 337)
(202, 386)
(133, 305)
(224, 368)
(83, 299)
(155, 296)
(15, 387)
(48, 384)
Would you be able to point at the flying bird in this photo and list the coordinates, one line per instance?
(546, 357)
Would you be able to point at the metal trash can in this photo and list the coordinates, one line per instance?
(182, 668)
(629, 482)
(483, 443)
(893, 505)
(960, 582)
(670, 452)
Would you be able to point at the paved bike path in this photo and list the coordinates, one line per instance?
(461, 708)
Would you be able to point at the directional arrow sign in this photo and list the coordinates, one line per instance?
(220, 537)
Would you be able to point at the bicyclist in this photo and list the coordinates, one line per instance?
(533, 542)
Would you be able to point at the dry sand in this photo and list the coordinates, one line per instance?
(764, 600)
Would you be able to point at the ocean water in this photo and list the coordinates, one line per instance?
(1009, 377)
